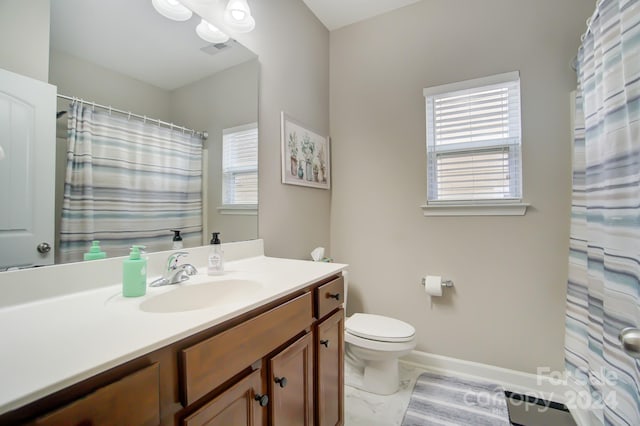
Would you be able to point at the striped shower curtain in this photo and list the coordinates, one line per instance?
(128, 182)
(603, 294)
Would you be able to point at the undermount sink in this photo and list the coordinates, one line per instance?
(189, 297)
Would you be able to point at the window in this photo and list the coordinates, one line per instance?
(240, 166)
(473, 142)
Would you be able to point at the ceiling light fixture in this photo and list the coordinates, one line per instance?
(237, 16)
(210, 33)
(172, 9)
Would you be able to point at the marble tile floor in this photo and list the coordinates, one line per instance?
(366, 409)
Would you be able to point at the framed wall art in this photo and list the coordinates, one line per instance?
(305, 155)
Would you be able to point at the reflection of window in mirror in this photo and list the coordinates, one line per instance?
(240, 167)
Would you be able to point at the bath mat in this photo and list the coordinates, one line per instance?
(443, 400)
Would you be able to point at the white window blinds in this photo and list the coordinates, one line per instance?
(240, 165)
(473, 140)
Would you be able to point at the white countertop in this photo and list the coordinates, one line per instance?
(51, 343)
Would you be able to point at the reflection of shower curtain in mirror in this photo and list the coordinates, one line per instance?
(128, 182)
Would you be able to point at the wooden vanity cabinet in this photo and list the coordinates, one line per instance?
(278, 365)
(304, 377)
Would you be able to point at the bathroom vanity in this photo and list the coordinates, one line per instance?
(269, 354)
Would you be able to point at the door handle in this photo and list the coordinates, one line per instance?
(630, 340)
(44, 248)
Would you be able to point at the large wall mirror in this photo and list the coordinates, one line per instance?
(123, 54)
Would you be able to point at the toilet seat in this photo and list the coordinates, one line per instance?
(379, 346)
(379, 328)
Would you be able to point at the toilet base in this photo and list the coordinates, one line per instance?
(379, 377)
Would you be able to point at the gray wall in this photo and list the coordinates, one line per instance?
(25, 47)
(235, 103)
(80, 78)
(293, 49)
(507, 307)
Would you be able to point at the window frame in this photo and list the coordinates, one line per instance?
(237, 208)
(478, 206)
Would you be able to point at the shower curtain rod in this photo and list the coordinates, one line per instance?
(591, 18)
(203, 135)
(589, 21)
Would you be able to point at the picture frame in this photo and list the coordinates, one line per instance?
(306, 155)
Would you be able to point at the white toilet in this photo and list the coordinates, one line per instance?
(373, 344)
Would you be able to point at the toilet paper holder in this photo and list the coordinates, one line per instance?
(443, 283)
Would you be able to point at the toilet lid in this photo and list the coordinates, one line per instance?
(378, 327)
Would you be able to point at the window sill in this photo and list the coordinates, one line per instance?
(485, 209)
(239, 209)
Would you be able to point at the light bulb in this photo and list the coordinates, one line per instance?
(172, 9)
(210, 33)
(238, 17)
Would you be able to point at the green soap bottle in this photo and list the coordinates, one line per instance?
(95, 252)
(134, 274)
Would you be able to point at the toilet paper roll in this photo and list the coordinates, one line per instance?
(433, 285)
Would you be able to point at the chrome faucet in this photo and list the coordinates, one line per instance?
(174, 273)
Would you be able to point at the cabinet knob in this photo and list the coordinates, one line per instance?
(334, 296)
(325, 342)
(263, 400)
(282, 381)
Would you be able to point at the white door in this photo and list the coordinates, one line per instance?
(27, 170)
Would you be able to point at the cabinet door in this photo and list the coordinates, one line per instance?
(291, 383)
(240, 405)
(330, 376)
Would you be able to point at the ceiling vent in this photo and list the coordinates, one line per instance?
(215, 48)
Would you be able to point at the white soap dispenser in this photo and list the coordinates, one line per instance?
(216, 258)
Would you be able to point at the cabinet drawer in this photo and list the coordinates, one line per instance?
(329, 297)
(133, 400)
(208, 364)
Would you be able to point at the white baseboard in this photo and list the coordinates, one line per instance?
(511, 380)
